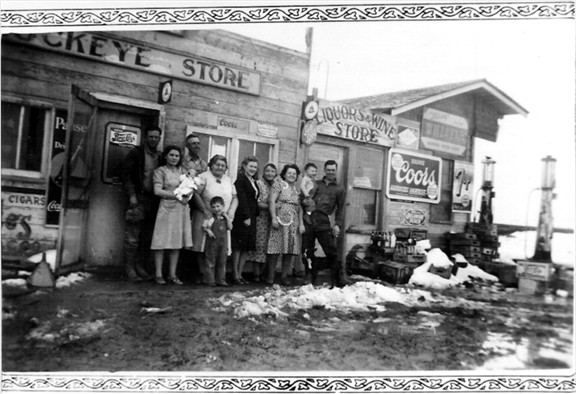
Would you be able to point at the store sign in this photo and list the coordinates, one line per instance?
(267, 130)
(414, 217)
(463, 187)
(342, 121)
(413, 176)
(58, 156)
(225, 123)
(119, 136)
(145, 58)
(444, 132)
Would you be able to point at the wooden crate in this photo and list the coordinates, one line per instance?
(462, 236)
(464, 242)
(464, 249)
(394, 272)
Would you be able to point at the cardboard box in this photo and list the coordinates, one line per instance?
(531, 286)
(443, 272)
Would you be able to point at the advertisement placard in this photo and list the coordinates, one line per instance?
(54, 193)
(413, 176)
(463, 187)
(444, 132)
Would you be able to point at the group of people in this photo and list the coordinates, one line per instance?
(256, 218)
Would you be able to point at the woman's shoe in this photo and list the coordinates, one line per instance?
(236, 281)
(159, 280)
(174, 280)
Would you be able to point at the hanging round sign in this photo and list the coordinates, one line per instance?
(309, 132)
(311, 110)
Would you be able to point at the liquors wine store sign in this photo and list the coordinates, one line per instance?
(413, 176)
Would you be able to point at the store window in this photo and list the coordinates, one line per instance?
(24, 128)
(235, 148)
(442, 212)
(366, 186)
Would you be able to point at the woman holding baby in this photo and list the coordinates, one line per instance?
(172, 230)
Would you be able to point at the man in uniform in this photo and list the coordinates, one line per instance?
(138, 170)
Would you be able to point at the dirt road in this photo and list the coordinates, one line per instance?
(105, 324)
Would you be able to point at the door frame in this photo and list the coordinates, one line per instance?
(104, 101)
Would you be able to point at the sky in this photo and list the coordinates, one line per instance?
(532, 61)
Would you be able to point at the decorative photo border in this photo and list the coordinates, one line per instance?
(18, 21)
(13, 19)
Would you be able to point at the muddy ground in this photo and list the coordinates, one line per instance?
(106, 324)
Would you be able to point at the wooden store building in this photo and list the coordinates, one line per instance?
(81, 100)
(241, 96)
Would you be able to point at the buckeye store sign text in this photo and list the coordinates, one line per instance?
(143, 57)
(343, 121)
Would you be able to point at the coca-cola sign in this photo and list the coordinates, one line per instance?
(413, 176)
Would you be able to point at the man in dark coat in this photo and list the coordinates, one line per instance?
(137, 173)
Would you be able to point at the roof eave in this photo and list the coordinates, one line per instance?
(513, 108)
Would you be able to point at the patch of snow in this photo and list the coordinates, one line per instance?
(421, 277)
(362, 296)
(15, 282)
(438, 259)
(73, 278)
(472, 271)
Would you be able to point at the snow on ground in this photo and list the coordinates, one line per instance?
(359, 297)
(437, 258)
(62, 281)
(362, 296)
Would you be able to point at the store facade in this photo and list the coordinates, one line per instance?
(406, 158)
(60, 185)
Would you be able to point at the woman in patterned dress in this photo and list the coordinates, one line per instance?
(259, 257)
(172, 230)
(287, 225)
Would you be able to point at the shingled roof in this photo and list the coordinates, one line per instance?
(397, 102)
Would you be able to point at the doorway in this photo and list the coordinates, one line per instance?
(94, 200)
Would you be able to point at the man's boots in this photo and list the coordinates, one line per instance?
(130, 266)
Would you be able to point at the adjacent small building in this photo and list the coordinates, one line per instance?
(407, 157)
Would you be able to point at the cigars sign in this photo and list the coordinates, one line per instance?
(342, 121)
(413, 176)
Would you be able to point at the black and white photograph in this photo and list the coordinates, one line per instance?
(306, 196)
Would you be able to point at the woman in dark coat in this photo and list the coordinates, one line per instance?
(244, 225)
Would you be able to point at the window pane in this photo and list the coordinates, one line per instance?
(246, 148)
(32, 139)
(442, 212)
(368, 170)
(363, 205)
(263, 154)
(218, 146)
(10, 119)
(204, 146)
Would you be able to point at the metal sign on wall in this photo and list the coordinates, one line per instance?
(463, 187)
(342, 121)
(142, 57)
(444, 132)
(413, 176)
